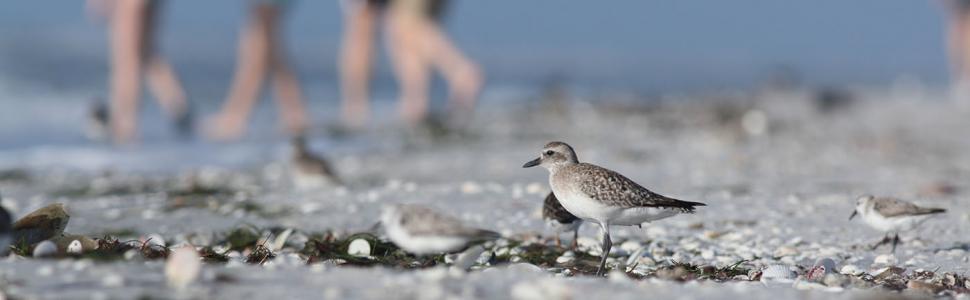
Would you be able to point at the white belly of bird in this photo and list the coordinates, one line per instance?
(424, 244)
(894, 224)
(586, 208)
(308, 181)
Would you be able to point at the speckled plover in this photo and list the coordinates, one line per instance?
(420, 230)
(560, 219)
(6, 228)
(891, 215)
(602, 196)
(309, 170)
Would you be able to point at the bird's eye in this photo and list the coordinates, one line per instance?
(549, 152)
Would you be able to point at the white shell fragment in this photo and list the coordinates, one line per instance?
(778, 273)
(75, 247)
(359, 247)
(182, 267)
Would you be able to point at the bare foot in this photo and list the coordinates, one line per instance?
(222, 127)
(355, 115)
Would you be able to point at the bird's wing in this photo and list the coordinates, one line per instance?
(610, 187)
(552, 209)
(891, 207)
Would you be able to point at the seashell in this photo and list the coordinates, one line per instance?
(468, 258)
(778, 273)
(359, 247)
(182, 267)
(74, 247)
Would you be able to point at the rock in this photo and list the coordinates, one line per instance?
(851, 270)
(923, 286)
(836, 280)
(359, 247)
(42, 224)
(45, 249)
(564, 259)
(182, 267)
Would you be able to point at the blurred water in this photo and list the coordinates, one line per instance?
(52, 60)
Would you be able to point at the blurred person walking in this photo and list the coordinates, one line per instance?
(260, 54)
(416, 43)
(132, 28)
(958, 43)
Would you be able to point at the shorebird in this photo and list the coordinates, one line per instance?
(560, 219)
(891, 215)
(6, 229)
(420, 230)
(602, 196)
(308, 169)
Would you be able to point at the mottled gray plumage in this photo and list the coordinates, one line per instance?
(602, 196)
(891, 207)
(553, 210)
(613, 189)
(420, 220)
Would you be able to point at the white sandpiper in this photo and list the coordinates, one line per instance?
(891, 215)
(421, 231)
(560, 219)
(309, 170)
(602, 196)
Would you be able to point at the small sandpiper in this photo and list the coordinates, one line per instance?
(560, 219)
(98, 128)
(891, 215)
(602, 196)
(6, 230)
(309, 170)
(421, 231)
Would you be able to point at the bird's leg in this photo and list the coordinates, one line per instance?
(884, 240)
(558, 242)
(895, 242)
(607, 245)
(575, 242)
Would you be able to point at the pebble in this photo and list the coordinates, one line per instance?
(359, 248)
(631, 246)
(885, 259)
(45, 249)
(836, 280)
(851, 270)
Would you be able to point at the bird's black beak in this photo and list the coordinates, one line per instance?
(532, 163)
(854, 212)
